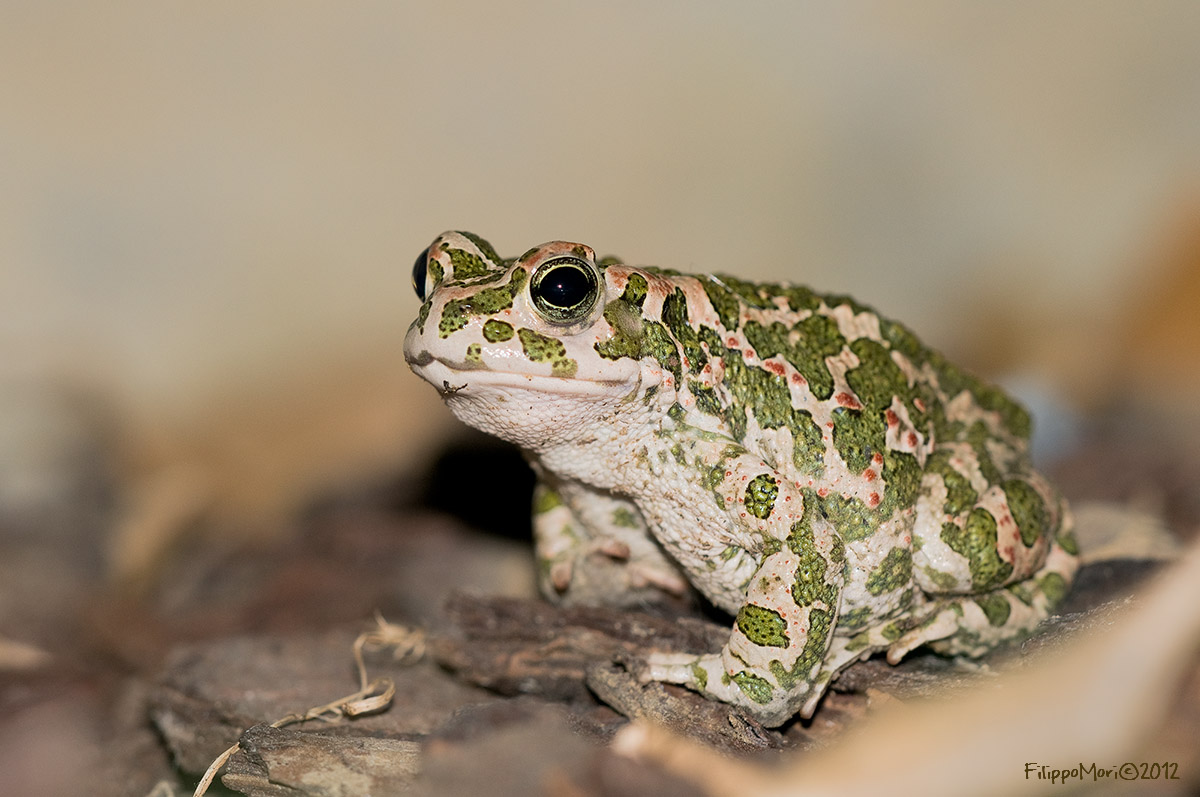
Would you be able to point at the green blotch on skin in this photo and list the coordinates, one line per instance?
(877, 379)
(675, 318)
(766, 395)
(706, 398)
(1024, 591)
(636, 337)
(1054, 587)
(487, 301)
(713, 478)
(727, 295)
(677, 453)
(900, 338)
(976, 540)
(995, 607)
(860, 641)
(978, 436)
(816, 338)
(482, 245)
(891, 632)
(857, 435)
(544, 499)
(763, 626)
(464, 265)
(724, 302)
(496, 331)
(856, 618)
(624, 517)
(811, 585)
(540, 348)
(423, 314)
(838, 299)
(635, 290)
(902, 481)
(1067, 540)
(960, 496)
(820, 624)
(892, 573)
(659, 344)
(943, 581)
(951, 379)
(1027, 508)
(751, 293)
(760, 496)
(757, 689)
(454, 317)
(798, 297)
(474, 354)
(700, 676)
(853, 519)
(436, 272)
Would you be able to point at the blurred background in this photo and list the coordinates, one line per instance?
(209, 212)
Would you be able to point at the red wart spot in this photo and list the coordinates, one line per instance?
(869, 475)
(775, 367)
(848, 401)
(920, 405)
(877, 458)
(824, 491)
(873, 500)
(892, 418)
(912, 439)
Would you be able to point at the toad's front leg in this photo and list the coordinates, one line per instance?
(772, 665)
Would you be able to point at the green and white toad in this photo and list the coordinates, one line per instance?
(806, 464)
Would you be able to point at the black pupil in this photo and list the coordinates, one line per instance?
(565, 287)
(419, 274)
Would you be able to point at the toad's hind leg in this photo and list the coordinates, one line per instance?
(593, 549)
(994, 570)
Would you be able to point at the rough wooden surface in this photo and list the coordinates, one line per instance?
(278, 762)
(510, 678)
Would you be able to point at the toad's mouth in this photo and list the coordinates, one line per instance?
(462, 380)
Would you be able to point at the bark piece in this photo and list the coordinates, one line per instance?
(208, 694)
(279, 762)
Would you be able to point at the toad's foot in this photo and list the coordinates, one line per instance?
(707, 674)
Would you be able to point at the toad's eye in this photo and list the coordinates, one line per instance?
(419, 274)
(565, 290)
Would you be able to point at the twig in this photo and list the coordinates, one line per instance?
(371, 697)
